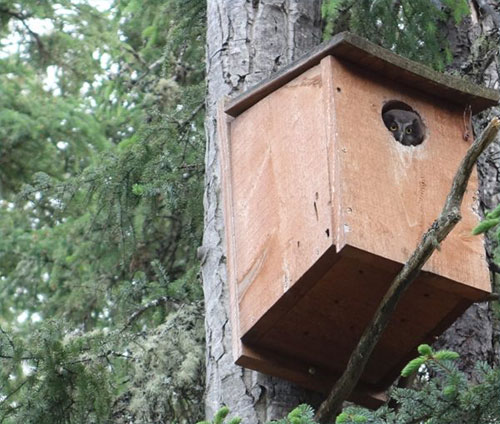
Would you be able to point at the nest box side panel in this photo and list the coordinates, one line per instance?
(389, 194)
(279, 193)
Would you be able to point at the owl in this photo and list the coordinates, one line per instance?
(405, 126)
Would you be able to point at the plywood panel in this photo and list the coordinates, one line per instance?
(280, 193)
(391, 193)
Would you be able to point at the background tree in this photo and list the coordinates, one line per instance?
(101, 149)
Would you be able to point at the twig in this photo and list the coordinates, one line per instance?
(152, 304)
(8, 338)
(449, 217)
(488, 9)
(22, 358)
(134, 53)
(493, 297)
(7, 397)
(148, 68)
(22, 18)
(186, 121)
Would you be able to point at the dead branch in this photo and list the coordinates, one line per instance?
(449, 217)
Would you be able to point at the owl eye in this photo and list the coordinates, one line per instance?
(393, 127)
(408, 130)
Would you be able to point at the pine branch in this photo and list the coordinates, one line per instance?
(23, 18)
(152, 304)
(2, 331)
(449, 217)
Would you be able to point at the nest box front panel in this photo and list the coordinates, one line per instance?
(388, 193)
(280, 194)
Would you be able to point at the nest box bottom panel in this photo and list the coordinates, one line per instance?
(308, 335)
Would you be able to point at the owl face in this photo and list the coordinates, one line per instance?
(405, 126)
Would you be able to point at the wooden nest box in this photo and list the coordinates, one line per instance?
(323, 206)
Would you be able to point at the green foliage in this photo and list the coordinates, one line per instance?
(424, 349)
(55, 377)
(446, 355)
(491, 220)
(302, 414)
(444, 396)
(220, 416)
(413, 366)
(101, 172)
(427, 355)
(490, 223)
(412, 28)
(495, 213)
(459, 9)
(345, 417)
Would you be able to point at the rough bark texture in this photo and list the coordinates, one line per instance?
(247, 40)
(476, 52)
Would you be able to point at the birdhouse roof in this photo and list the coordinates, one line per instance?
(391, 66)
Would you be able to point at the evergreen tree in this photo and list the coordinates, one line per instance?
(101, 148)
(413, 29)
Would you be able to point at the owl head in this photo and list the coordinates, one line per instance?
(405, 126)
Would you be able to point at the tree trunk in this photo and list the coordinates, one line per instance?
(476, 54)
(247, 41)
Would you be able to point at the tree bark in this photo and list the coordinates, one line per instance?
(247, 41)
